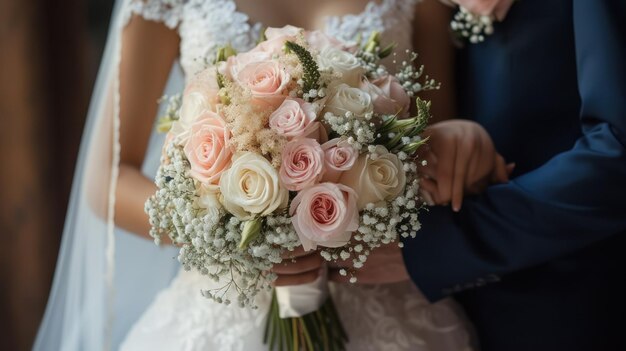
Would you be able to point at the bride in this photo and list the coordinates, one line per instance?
(151, 304)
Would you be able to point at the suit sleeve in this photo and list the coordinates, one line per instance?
(572, 201)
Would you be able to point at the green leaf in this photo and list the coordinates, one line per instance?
(388, 50)
(224, 53)
(373, 42)
(311, 71)
(251, 229)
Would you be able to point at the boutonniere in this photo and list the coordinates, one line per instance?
(474, 18)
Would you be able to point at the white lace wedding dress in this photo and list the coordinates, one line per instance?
(386, 317)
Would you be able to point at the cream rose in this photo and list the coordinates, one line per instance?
(346, 98)
(388, 96)
(266, 80)
(207, 148)
(339, 156)
(250, 187)
(375, 180)
(342, 62)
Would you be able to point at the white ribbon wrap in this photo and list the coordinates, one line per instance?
(298, 300)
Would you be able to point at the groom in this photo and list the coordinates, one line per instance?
(540, 263)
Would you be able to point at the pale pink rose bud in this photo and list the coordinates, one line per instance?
(267, 82)
(318, 40)
(207, 149)
(294, 118)
(200, 95)
(325, 215)
(276, 38)
(388, 96)
(302, 164)
(339, 156)
(236, 63)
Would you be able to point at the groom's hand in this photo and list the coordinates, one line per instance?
(460, 159)
(298, 267)
(384, 265)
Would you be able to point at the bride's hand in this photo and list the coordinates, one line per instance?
(298, 267)
(384, 265)
(460, 159)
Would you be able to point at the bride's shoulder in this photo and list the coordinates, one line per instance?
(169, 12)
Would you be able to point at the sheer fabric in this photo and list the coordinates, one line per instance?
(91, 304)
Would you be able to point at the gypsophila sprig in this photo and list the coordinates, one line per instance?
(471, 27)
(411, 78)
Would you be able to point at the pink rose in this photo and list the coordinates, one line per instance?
(294, 118)
(325, 215)
(388, 96)
(316, 39)
(276, 38)
(302, 164)
(207, 149)
(266, 80)
(319, 40)
(339, 156)
(497, 8)
(236, 63)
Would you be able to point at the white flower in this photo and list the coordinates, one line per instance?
(377, 179)
(342, 62)
(208, 199)
(251, 187)
(348, 99)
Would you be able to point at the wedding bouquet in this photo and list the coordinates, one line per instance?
(303, 141)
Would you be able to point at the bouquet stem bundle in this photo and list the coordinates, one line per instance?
(319, 330)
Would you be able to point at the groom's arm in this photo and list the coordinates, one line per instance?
(574, 200)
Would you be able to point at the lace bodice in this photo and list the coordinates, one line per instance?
(205, 25)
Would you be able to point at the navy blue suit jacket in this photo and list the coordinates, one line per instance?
(540, 263)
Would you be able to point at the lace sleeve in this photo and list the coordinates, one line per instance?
(169, 12)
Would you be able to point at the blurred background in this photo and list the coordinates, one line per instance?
(49, 57)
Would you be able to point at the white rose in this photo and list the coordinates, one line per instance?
(250, 187)
(343, 62)
(375, 180)
(346, 98)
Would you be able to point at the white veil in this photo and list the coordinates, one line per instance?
(95, 296)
